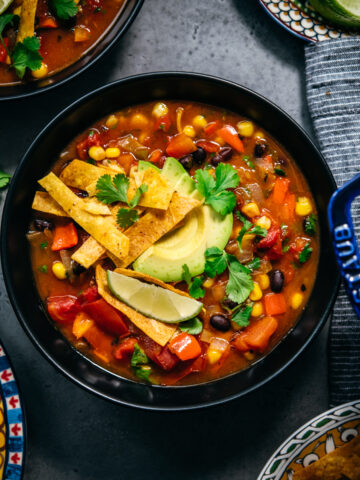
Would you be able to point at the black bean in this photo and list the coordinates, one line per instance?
(259, 150)
(220, 322)
(41, 224)
(81, 193)
(186, 162)
(199, 156)
(223, 155)
(276, 281)
(229, 303)
(78, 269)
(303, 288)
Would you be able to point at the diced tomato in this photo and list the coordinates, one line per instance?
(165, 359)
(3, 52)
(107, 317)
(256, 336)
(231, 137)
(272, 236)
(91, 294)
(83, 146)
(180, 145)
(280, 190)
(125, 349)
(63, 308)
(211, 127)
(65, 236)
(185, 346)
(163, 123)
(275, 304)
(275, 252)
(208, 146)
(47, 22)
(289, 273)
(155, 156)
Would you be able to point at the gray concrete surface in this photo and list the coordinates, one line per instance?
(73, 435)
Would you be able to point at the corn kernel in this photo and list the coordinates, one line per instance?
(256, 293)
(97, 153)
(259, 134)
(251, 210)
(59, 270)
(40, 72)
(220, 141)
(199, 122)
(245, 129)
(112, 121)
(263, 222)
(189, 130)
(160, 110)
(249, 355)
(17, 10)
(257, 309)
(112, 152)
(8, 60)
(209, 282)
(296, 300)
(213, 355)
(303, 206)
(139, 121)
(263, 280)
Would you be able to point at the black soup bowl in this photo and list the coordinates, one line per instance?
(38, 161)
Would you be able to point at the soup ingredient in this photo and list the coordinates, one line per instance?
(65, 236)
(63, 309)
(276, 280)
(249, 228)
(185, 346)
(310, 223)
(178, 177)
(242, 315)
(341, 12)
(26, 55)
(303, 206)
(257, 335)
(151, 300)
(199, 156)
(106, 317)
(111, 190)
(305, 254)
(217, 350)
(65, 8)
(193, 326)
(4, 179)
(230, 136)
(275, 304)
(194, 286)
(223, 155)
(180, 145)
(59, 270)
(220, 322)
(44, 203)
(139, 362)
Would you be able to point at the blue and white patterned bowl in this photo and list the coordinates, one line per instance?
(299, 18)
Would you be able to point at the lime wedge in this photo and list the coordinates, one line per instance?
(341, 12)
(4, 4)
(151, 300)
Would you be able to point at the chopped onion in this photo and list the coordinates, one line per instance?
(219, 344)
(256, 192)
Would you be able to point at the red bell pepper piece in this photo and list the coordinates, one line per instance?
(163, 123)
(231, 137)
(165, 359)
(91, 140)
(63, 308)
(155, 156)
(208, 146)
(185, 346)
(180, 145)
(211, 127)
(125, 349)
(272, 236)
(275, 252)
(3, 52)
(65, 236)
(89, 295)
(106, 317)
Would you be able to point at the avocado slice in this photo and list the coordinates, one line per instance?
(144, 165)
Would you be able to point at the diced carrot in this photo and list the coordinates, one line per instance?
(211, 127)
(48, 22)
(81, 324)
(275, 304)
(65, 236)
(180, 145)
(289, 206)
(231, 137)
(185, 346)
(155, 156)
(208, 146)
(126, 160)
(81, 33)
(280, 190)
(257, 335)
(125, 349)
(100, 341)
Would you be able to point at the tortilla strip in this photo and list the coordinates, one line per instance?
(154, 224)
(102, 228)
(85, 176)
(27, 19)
(89, 253)
(44, 203)
(160, 332)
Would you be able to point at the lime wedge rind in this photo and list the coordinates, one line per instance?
(152, 300)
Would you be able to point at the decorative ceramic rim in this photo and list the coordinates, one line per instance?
(298, 441)
(14, 419)
(299, 18)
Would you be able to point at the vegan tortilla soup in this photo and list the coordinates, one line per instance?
(41, 37)
(174, 243)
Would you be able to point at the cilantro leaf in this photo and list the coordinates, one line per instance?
(222, 202)
(186, 276)
(136, 198)
(240, 283)
(254, 264)
(6, 19)
(241, 317)
(249, 228)
(26, 55)
(138, 357)
(310, 223)
(205, 182)
(248, 162)
(226, 177)
(43, 269)
(4, 179)
(65, 8)
(280, 172)
(126, 217)
(143, 372)
(43, 245)
(193, 326)
(115, 190)
(215, 261)
(305, 254)
(195, 285)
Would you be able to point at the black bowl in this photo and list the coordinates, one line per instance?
(119, 26)
(38, 160)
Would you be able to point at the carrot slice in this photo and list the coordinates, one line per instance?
(185, 346)
(230, 136)
(280, 190)
(180, 145)
(275, 304)
(65, 236)
(257, 335)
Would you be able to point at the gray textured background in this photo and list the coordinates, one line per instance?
(73, 435)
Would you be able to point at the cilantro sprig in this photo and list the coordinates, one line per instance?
(26, 55)
(240, 282)
(310, 224)
(193, 326)
(195, 285)
(242, 316)
(305, 253)
(65, 9)
(215, 190)
(249, 228)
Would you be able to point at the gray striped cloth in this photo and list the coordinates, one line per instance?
(333, 93)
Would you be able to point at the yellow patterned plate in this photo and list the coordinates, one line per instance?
(317, 438)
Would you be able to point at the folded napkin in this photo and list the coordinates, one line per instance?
(333, 92)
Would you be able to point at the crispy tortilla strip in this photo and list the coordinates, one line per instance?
(89, 253)
(27, 19)
(102, 228)
(81, 174)
(44, 203)
(160, 332)
(150, 279)
(344, 462)
(154, 224)
(94, 206)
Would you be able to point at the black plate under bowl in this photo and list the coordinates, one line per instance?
(109, 38)
(39, 159)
